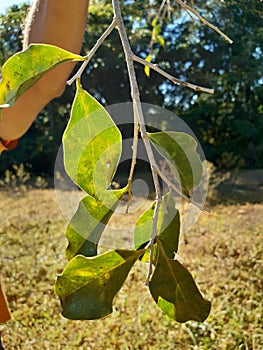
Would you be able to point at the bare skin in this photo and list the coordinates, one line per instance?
(48, 22)
(56, 22)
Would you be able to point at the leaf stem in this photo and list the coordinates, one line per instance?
(134, 158)
(93, 51)
(172, 78)
(173, 187)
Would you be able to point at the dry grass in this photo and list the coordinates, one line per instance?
(223, 253)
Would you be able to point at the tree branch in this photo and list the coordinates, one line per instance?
(138, 118)
(178, 191)
(203, 20)
(134, 159)
(93, 51)
(170, 77)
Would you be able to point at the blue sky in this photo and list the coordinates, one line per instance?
(6, 3)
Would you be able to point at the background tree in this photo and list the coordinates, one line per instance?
(228, 124)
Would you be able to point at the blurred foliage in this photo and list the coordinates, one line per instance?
(11, 31)
(229, 124)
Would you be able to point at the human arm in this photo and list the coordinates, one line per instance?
(56, 22)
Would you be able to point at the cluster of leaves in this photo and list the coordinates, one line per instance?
(89, 283)
(92, 143)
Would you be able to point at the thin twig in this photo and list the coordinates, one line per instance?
(203, 20)
(93, 51)
(134, 158)
(179, 192)
(170, 77)
(152, 240)
(138, 113)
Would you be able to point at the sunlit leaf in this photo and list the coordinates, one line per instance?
(87, 286)
(156, 30)
(175, 292)
(154, 22)
(92, 144)
(168, 227)
(88, 223)
(161, 40)
(180, 150)
(146, 68)
(143, 228)
(25, 68)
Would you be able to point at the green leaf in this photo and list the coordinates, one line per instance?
(179, 149)
(25, 68)
(175, 292)
(87, 286)
(168, 226)
(143, 228)
(88, 223)
(146, 68)
(92, 144)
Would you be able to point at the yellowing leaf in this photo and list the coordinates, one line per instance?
(154, 22)
(161, 40)
(87, 286)
(88, 223)
(156, 30)
(92, 145)
(146, 68)
(25, 68)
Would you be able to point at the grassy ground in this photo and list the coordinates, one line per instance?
(223, 253)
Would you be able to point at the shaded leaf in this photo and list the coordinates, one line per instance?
(87, 286)
(175, 292)
(92, 144)
(168, 226)
(88, 223)
(25, 68)
(180, 150)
